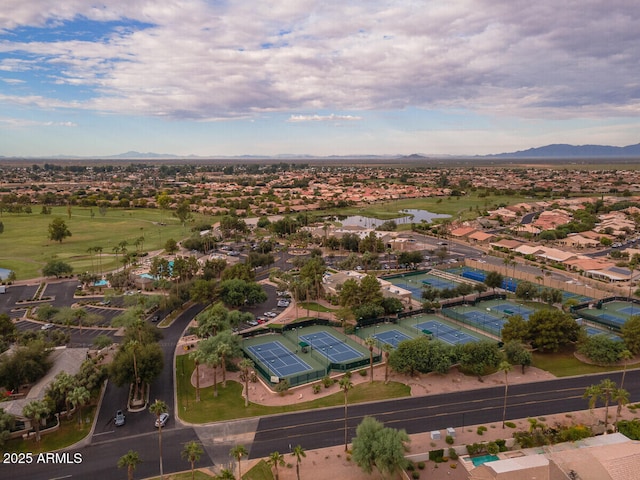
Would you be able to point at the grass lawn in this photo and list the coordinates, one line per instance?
(260, 471)
(68, 434)
(564, 364)
(26, 247)
(453, 206)
(198, 475)
(314, 307)
(230, 404)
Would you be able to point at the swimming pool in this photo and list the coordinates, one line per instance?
(482, 459)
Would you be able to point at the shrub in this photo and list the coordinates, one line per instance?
(510, 424)
(316, 388)
(502, 444)
(453, 455)
(415, 474)
(481, 429)
(454, 465)
(363, 373)
(327, 381)
(421, 465)
(283, 387)
(436, 455)
(411, 467)
(492, 448)
(449, 440)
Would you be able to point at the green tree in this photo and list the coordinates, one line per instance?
(276, 460)
(213, 320)
(621, 396)
(299, 453)
(551, 329)
(479, 357)
(493, 280)
(517, 354)
(191, 452)
(370, 343)
(631, 334)
(79, 396)
(36, 411)
(386, 348)
(380, 447)
(603, 391)
(158, 408)
(7, 328)
(58, 230)
(7, 422)
(346, 385)
(183, 212)
(246, 365)
(171, 246)
(130, 460)
(505, 367)
(601, 349)
(198, 356)
(515, 329)
(56, 268)
(238, 452)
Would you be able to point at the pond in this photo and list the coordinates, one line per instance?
(4, 273)
(408, 216)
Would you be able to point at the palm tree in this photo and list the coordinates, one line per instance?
(625, 356)
(191, 453)
(213, 360)
(225, 475)
(133, 346)
(79, 396)
(198, 356)
(370, 342)
(299, 453)
(238, 452)
(345, 385)
(604, 391)
(387, 351)
(158, 408)
(276, 460)
(223, 350)
(505, 367)
(130, 460)
(245, 367)
(35, 411)
(622, 397)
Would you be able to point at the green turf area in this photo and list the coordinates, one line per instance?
(68, 434)
(230, 404)
(315, 307)
(454, 206)
(260, 471)
(26, 247)
(565, 364)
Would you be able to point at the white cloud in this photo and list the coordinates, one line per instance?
(218, 60)
(23, 123)
(323, 118)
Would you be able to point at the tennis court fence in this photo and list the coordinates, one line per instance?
(294, 380)
(467, 321)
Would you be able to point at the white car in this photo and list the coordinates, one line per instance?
(162, 420)
(46, 326)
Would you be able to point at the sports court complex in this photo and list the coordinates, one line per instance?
(304, 354)
(610, 313)
(416, 281)
(415, 326)
(489, 316)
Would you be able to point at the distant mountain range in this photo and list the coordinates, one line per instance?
(560, 150)
(555, 151)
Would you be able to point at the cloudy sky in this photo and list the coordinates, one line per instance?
(325, 77)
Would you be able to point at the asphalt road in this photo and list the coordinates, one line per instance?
(324, 428)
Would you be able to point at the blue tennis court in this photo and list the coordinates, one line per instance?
(630, 310)
(446, 333)
(439, 283)
(278, 359)
(486, 321)
(416, 291)
(513, 309)
(392, 337)
(612, 318)
(330, 347)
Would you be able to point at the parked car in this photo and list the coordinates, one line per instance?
(253, 323)
(162, 420)
(46, 326)
(119, 419)
(283, 303)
